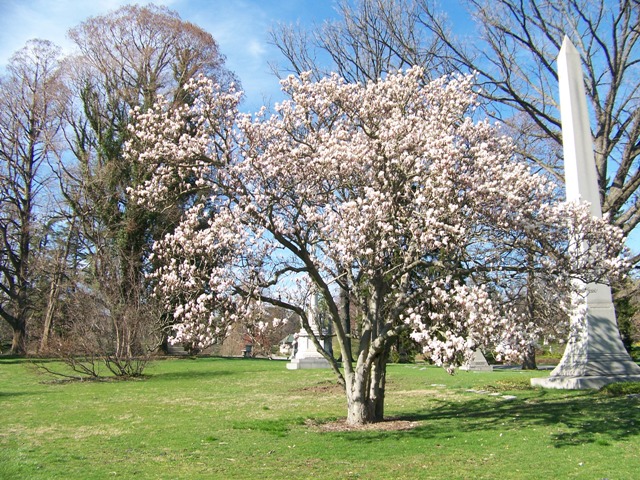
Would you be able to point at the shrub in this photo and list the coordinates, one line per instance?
(620, 389)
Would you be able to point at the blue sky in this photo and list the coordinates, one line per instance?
(240, 26)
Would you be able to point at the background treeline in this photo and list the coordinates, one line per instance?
(74, 248)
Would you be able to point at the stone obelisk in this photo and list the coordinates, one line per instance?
(594, 355)
(306, 355)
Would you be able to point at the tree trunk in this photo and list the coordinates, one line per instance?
(366, 386)
(346, 316)
(378, 384)
(362, 409)
(366, 394)
(58, 275)
(529, 361)
(19, 342)
(359, 407)
(48, 317)
(358, 412)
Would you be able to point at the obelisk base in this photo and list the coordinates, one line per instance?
(306, 357)
(595, 355)
(307, 363)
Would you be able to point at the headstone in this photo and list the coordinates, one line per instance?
(306, 355)
(594, 355)
(176, 350)
(477, 363)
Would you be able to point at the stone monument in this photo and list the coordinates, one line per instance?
(594, 355)
(477, 363)
(306, 355)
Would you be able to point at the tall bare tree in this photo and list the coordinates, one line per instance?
(514, 55)
(60, 242)
(125, 60)
(31, 104)
(372, 38)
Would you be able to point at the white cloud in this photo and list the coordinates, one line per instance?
(241, 28)
(256, 49)
(21, 21)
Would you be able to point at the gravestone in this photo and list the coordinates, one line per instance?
(306, 356)
(594, 355)
(477, 363)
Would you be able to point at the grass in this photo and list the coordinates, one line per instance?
(224, 418)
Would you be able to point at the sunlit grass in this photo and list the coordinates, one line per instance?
(226, 418)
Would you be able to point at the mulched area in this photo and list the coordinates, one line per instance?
(340, 425)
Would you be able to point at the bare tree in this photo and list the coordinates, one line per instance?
(63, 240)
(542, 308)
(514, 55)
(125, 60)
(99, 330)
(372, 38)
(31, 105)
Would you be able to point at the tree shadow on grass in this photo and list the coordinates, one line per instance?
(576, 419)
(277, 427)
(17, 360)
(17, 394)
(190, 375)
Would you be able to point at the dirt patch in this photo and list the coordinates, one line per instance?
(324, 387)
(389, 425)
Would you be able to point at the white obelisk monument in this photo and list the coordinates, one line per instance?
(307, 356)
(594, 355)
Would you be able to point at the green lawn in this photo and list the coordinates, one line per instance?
(224, 418)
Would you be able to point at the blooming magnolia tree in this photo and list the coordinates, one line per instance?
(388, 190)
